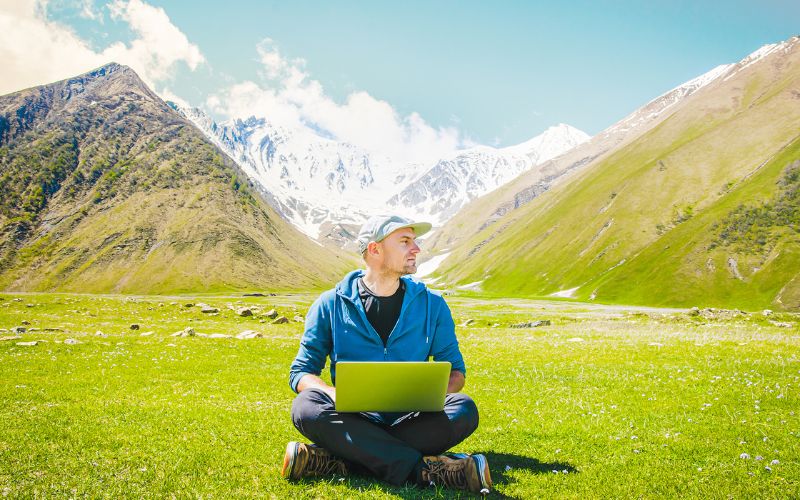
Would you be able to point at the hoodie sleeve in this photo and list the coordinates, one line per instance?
(315, 345)
(445, 343)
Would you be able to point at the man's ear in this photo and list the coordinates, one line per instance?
(373, 248)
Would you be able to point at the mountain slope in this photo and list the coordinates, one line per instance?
(107, 189)
(488, 209)
(650, 222)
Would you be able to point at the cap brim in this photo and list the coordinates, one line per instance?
(419, 228)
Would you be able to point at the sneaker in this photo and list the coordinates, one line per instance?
(463, 472)
(308, 460)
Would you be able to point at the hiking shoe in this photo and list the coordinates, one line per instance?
(463, 472)
(308, 460)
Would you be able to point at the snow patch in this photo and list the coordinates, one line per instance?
(430, 265)
(565, 294)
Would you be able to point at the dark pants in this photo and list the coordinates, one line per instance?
(389, 446)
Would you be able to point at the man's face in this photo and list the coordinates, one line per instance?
(400, 251)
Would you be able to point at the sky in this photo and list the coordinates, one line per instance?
(412, 79)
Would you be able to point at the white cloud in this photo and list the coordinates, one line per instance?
(291, 98)
(159, 46)
(35, 50)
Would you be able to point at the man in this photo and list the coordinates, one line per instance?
(376, 315)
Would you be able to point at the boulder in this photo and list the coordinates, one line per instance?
(271, 314)
(32, 342)
(146, 334)
(134, 326)
(10, 337)
(71, 341)
(207, 309)
(186, 332)
(532, 324)
(299, 319)
(220, 336)
(280, 320)
(249, 334)
(25, 322)
(467, 322)
(100, 334)
(19, 329)
(244, 312)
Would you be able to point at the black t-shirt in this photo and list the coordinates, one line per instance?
(382, 312)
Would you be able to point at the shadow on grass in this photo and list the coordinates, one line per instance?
(498, 463)
(363, 484)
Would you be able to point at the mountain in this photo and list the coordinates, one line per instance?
(699, 210)
(107, 189)
(452, 182)
(486, 210)
(327, 188)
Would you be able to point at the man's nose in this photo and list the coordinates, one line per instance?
(415, 248)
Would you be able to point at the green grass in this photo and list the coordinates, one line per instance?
(648, 403)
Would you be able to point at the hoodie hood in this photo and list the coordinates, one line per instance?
(348, 288)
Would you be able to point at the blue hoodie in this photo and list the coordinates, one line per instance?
(337, 327)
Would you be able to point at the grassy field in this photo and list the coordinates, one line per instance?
(603, 402)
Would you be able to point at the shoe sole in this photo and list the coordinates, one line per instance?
(483, 466)
(288, 459)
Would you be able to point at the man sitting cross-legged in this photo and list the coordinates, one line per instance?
(381, 314)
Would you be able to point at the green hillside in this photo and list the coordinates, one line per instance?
(667, 218)
(107, 189)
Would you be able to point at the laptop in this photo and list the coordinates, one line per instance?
(391, 386)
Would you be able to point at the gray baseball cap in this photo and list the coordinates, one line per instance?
(379, 227)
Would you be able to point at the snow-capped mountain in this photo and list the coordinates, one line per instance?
(452, 182)
(317, 183)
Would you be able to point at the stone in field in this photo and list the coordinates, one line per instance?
(10, 337)
(146, 334)
(207, 309)
(244, 312)
(766, 312)
(280, 320)
(18, 329)
(186, 332)
(71, 341)
(220, 336)
(271, 314)
(32, 342)
(134, 326)
(781, 324)
(254, 295)
(532, 324)
(249, 334)
(100, 334)
(467, 322)
(575, 339)
(299, 319)
(25, 322)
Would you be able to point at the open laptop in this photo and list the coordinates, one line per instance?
(391, 386)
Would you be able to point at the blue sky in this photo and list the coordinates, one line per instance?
(495, 73)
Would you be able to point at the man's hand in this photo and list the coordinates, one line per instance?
(456, 382)
(313, 382)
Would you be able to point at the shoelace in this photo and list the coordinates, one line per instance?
(323, 464)
(452, 476)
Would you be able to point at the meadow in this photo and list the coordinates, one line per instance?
(602, 402)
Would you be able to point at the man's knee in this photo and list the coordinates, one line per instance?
(463, 413)
(308, 406)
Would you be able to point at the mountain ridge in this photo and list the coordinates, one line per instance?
(81, 156)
